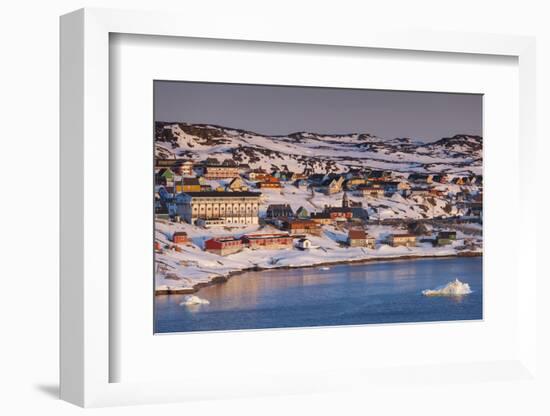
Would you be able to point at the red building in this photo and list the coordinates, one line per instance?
(267, 241)
(339, 213)
(223, 246)
(180, 237)
(270, 182)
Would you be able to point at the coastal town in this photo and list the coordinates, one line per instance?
(217, 214)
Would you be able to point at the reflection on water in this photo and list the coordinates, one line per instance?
(345, 294)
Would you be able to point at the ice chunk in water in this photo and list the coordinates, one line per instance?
(193, 300)
(455, 288)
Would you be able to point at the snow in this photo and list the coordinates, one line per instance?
(184, 267)
(457, 155)
(182, 270)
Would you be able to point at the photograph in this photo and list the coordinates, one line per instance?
(282, 206)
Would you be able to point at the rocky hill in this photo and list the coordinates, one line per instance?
(319, 152)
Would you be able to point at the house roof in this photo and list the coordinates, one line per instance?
(224, 239)
(370, 188)
(378, 174)
(190, 181)
(278, 206)
(266, 235)
(338, 209)
(215, 194)
(235, 180)
(403, 235)
(302, 223)
(180, 234)
(320, 215)
(357, 234)
(162, 171)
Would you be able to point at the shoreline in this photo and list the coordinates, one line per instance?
(224, 278)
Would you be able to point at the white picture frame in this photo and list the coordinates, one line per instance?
(86, 355)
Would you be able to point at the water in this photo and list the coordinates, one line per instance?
(347, 294)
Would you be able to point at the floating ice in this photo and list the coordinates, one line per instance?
(324, 268)
(456, 288)
(193, 300)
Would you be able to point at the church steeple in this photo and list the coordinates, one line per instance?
(345, 202)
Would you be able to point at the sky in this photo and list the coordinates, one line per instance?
(281, 110)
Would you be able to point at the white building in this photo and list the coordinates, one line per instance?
(303, 244)
(234, 208)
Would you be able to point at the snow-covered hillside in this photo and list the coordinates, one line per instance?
(318, 152)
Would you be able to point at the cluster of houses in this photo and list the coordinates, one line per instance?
(179, 176)
(357, 237)
(183, 192)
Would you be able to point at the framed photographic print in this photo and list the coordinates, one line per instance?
(276, 206)
(293, 212)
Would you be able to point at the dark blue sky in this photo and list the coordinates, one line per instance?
(276, 110)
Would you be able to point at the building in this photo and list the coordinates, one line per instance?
(476, 209)
(423, 178)
(440, 178)
(210, 222)
(165, 176)
(316, 179)
(273, 241)
(354, 182)
(379, 175)
(390, 187)
(301, 184)
(279, 211)
(302, 227)
(296, 176)
(284, 175)
(257, 174)
(332, 186)
(302, 214)
(178, 166)
(359, 238)
(235, 208)
(323, 218)
(419, 191)
(270, 182)
(221, 171)
(180, 237)
(223, 246)
(342, 213)
(418, 228)
(365, 191)
(186, 185)
(360, 214)
(339, 213)
(303, 244)
(459, 180)
(406, 240)
(237, 184)
(445, 238)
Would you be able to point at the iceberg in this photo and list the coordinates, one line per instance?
(193, 300)
(455, 288)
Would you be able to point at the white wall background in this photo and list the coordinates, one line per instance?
(29, 204)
